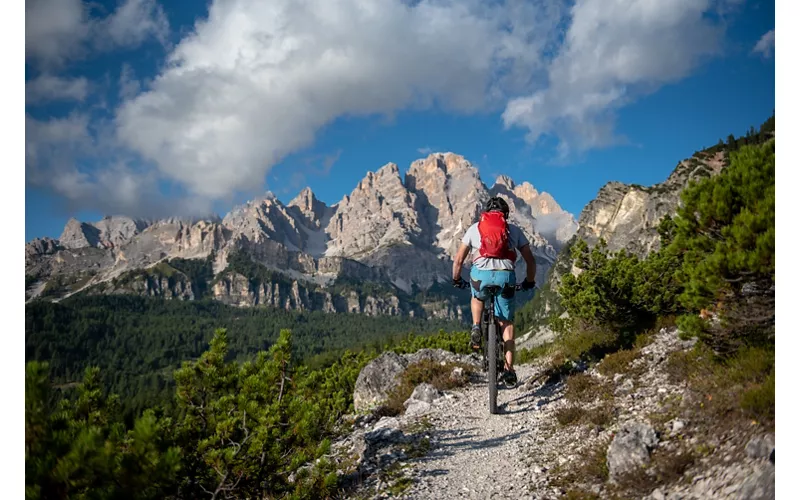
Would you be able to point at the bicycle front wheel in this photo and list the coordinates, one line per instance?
(491, 346)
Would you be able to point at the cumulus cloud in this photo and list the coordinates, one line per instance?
(766, 45)
(613, 52)
(129, 85)
(46, 88)
(57, 31)
(80, 166)
(256, 80)
(133, 23)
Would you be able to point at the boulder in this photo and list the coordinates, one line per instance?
(382, 374)
(630, 448)
(760, 485)
(377, 379)
(762, 447)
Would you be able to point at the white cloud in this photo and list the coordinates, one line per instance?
(62, 156)
(48, 87)
(256, 80)
(766, 45)
(129, 85)
(133, 23)
(57, 31)
(613, 53)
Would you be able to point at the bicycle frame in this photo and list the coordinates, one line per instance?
(492, 339)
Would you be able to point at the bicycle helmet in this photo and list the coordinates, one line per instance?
(497, 203)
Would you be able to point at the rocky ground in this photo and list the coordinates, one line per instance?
(629, 441)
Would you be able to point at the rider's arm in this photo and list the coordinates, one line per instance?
(458, 261)
(530, 263)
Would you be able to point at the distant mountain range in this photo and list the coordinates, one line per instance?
(384, 249)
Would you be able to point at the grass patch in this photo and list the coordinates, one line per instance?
(578, 494)
(591, 342)
(618, 362)
(600, 416)
(527, 355)
(425, 371)
(759, 400)
(570, 415)
(584, 388)
(398, 482)
(418, 449)
(744, 382)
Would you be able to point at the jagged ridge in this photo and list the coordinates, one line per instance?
(401, 233)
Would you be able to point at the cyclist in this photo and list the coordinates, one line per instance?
(496, 242)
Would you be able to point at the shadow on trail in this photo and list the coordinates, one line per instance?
(532, 400)
(452, 442)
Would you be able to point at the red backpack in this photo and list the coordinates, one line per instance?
(493, 229)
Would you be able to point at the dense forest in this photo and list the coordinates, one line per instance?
(137, 342)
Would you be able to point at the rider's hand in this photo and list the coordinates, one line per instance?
(458, 282)
(528, 285)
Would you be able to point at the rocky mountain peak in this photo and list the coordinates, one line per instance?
(379, 212)
(390, 169)
(504, 181)
(526, 192)
(310, 208)
(79, 234)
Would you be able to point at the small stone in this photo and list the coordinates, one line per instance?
(657, 494)
(677, 426)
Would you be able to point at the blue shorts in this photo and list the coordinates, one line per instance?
(479, 278)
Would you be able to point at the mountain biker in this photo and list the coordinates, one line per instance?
(495, 241)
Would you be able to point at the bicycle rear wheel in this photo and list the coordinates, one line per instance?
(491, 346)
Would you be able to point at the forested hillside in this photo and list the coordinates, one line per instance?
(138, 342)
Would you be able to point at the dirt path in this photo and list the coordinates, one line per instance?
(478, 455)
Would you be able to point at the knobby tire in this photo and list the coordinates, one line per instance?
(491, 354)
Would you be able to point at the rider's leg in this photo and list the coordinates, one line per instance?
(477, 277)
(477, 309)
(505, 314)
(508, 343)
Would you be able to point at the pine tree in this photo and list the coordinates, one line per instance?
(725, 236)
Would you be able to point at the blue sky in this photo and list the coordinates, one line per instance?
(132, 108)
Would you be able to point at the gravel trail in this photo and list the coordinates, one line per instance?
(478, 455)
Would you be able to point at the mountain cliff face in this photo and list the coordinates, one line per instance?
(627, 216)
(397, 235)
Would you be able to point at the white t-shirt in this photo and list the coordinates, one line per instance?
(472, 238)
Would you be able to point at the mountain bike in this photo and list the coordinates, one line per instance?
(493, 346)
